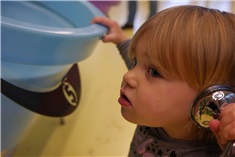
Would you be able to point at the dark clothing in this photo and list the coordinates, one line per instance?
(154, 142)
(123, 50)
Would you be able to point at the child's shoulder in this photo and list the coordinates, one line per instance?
(155, 142)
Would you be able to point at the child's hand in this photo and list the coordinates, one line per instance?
(115, 33)
(224, 129)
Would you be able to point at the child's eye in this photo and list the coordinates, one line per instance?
(154, 73)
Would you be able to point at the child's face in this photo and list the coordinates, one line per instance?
(149, 98)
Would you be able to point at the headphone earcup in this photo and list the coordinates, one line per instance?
(206, 106)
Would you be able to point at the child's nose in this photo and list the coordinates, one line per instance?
(129, 78)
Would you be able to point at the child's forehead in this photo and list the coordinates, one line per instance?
(140, 48)
(142, 51)
(142, 43)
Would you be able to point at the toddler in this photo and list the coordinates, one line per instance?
(173, 56)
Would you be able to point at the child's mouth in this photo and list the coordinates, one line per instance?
(124, 101)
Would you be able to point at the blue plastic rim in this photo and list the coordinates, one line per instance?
(48, 32)
(42, 39)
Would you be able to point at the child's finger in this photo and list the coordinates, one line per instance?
(214, 126)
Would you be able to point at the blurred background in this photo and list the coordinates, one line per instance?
(97, 128)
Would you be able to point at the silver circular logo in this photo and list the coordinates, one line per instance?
(218, 95)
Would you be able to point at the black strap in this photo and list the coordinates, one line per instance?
(57, 103)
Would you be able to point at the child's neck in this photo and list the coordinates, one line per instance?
(186, 133)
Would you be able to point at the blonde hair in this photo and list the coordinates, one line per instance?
(191, 43)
